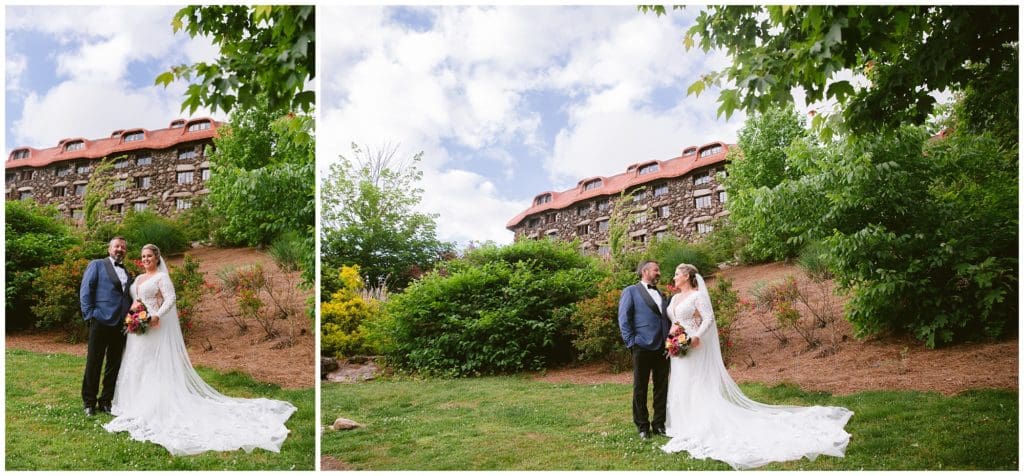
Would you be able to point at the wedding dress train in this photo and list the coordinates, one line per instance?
(160, 398)
(710, 417)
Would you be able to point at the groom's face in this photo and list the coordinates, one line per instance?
(652, 273)
(117, 249)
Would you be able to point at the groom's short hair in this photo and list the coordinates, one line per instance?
(642, 265)
(117, 238)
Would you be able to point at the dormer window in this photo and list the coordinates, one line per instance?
(711, 151)
(116, 133)
(542, 199)
(689, 151)
(199, 126)
(649, 168)
(592, 184)
(177, 124)
(20, 154)
(134, 136)
(73, 146)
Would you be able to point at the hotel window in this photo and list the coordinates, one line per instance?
(640, 238)
(542, 199)
(73, 146)
(533, 222)
(177, 124)
(199, 126)
(602, 225)
(21, 154)
(661, 190)
(647, 169)
(120, 185)
(583, 229)
(704, 228)
(140, 206)
(77, 214)
(59, 191)
(11, 177)
(582, 210)
(721, 175)
(205, 174)
(28, 174)
(118, 208)
(144, 160)
(84, 169)
(702, 202)
(640, 195)
(25, 195)
(551, 218)
(183, 203)
(592, 184)
(184, 178)
(722, 197)
(660, 235)
(80, 189)
(63, 171)
(603, 205)
(187, 154)
(122, 163)
(702, 179)
(604, 250)
(710, 151)
(134, 136)
(640, 217)
(663, 211)
(690, 151)
(143, 182)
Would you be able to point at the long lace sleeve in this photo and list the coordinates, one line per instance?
(167, 291)
(707, 316)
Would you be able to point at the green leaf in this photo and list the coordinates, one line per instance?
(165, 78)
(696, 88)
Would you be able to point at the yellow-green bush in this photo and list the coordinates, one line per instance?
(342, 318)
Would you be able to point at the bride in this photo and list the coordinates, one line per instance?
(708, 415)
(160, 398)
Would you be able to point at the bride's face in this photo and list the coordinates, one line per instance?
(148, 260)
(680, 278)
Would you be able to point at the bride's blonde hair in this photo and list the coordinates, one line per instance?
(155, 250)
(691, 272)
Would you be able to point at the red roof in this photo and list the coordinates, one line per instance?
(676, 167)
(99, 148)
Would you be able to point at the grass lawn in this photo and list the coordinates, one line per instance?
(515, 423)
(46, 428)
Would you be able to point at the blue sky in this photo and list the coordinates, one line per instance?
(507, 102)
(76, 71)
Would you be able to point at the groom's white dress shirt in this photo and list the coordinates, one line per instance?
(654, 294)
(121, 273)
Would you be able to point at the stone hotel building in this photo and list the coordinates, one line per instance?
(681, 196)
(161, 170)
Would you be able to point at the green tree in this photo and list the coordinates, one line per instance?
(262, 180)
(369, 218)
(757, 165)
(906, 52)
(267, 54)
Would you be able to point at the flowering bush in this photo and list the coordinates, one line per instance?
(58, 306)
(342, 318)
(596, 328)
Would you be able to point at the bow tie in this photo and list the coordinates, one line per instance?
(651, 286)
(119, 265)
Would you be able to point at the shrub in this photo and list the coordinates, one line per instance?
(813, 259)
(35, 237)
(499, 309)
(672, 251)
(724, 244)
(596, 328)
(189, 286)
(725, 301)
(287, 251)
(342, 317)
(198, 222)
(140, 228)
(58, 306)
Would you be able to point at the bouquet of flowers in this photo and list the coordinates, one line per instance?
(677, 343)
(137, 320)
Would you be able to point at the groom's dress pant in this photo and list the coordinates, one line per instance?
(108, 342)
(648, 363)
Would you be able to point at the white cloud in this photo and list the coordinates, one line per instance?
(94, 94)
(473, 209)
(14, 68)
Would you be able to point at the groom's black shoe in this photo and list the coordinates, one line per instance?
(90, 411)
(104, 408)
(659, 431)
(645, 435)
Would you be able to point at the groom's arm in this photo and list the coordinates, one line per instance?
(87, 293)
(626, 318)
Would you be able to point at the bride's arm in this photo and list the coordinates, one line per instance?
(707, 316)
(167, 291)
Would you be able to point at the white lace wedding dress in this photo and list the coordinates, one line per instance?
(709, 417)
(160, 398)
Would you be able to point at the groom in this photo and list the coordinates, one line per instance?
(644, 325)
(105, 301)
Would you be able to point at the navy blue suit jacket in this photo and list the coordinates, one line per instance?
(101, 295)
(641, 321)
